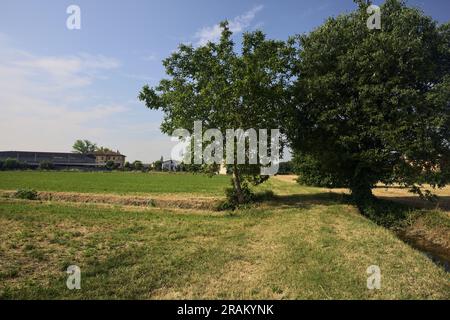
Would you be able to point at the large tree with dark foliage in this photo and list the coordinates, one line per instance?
(374, 105)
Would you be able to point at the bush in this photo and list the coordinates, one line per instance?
(26, 194)
(11, 164)
(137, 165)
(157, 165)
(127, 166)
(1, 164)
(231, 202)
(110, 165)
(46, 165)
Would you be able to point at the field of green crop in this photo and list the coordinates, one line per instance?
(113, 182)
(303, 244)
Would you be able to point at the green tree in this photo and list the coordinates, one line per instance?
(286, 167)
(46, 165)
(84, 146)
(127, 166)
(103, 149)
(11, 164)
(311, 172)
(157, 165)
(225, 90)
(110, 165)
(373, 105)
(138, 165)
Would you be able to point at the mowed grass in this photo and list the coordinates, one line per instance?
(114, 182)
(293, 251)
(303, 244)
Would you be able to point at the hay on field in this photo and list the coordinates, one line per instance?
(200, 203)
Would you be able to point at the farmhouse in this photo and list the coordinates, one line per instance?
(102, 157)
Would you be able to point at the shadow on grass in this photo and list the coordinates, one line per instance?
(395, 213)
(303, 201)
(442, 202)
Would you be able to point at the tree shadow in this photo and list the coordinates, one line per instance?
(442, 202)
(303, 201)
(392, 212)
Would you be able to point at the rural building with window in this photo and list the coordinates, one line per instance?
(102, 157)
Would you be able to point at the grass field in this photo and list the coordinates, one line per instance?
(113, 182)
(304, 244)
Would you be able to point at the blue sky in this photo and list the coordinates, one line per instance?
(58, 85)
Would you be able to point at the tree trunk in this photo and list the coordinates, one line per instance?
(362, 194)
(237, 185)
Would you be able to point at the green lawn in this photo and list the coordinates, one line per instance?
(303, 244)
(113, 182)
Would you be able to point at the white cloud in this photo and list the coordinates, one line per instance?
(67, 71)
(43, 101)
(237, 24)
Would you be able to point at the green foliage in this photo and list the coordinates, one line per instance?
(110, 164)
(373, 105)
(224, 89)
(46, 165)
(84, 146)
(286, 167)
(102, 149)
(233, 198)
(157, 165)
(127, 166)
(12, 164)
(1, 164)
(26, 194)
(137, 165)
(194, 168)
(311, 173)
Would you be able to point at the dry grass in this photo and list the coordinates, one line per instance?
(152, 200)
